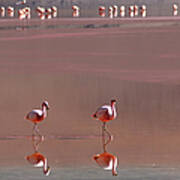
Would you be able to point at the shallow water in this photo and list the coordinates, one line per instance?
(90, 173)
(77, 70)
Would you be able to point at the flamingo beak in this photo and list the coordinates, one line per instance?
(47, 107)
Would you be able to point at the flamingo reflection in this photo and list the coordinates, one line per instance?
(106, 160)
(37, 159)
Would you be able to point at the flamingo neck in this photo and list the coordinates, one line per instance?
(113, 107)
(44, 109)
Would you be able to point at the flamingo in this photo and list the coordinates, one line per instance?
(2, 11)
(136, 10)
(122, 11)
(27, 11)
(10, 11)
(175, 9)
(21, 2)
(38, 160)
(115, 10)
(143, 10)
(38, 115)
(24, 13)
(21, 14)
(102, 11)
(106, 113)
(48, 12)
(76, 11)
(54, 11)
(107, 161)
(110, 11)
(40, 10)
(131, 11)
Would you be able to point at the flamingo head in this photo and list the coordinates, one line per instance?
(113, 101)
(46, 104)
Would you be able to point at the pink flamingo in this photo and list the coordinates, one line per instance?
(106, 113)
(38, 115)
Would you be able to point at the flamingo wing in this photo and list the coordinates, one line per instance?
(103, 112)
(109, 109)
(34, 114)
(100, 113)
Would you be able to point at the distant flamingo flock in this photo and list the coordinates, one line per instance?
(112, 11)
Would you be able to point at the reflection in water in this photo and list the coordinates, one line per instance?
(106, 160)
(37, 159)
(75, 11)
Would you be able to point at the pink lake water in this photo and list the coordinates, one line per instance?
(77, 68)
